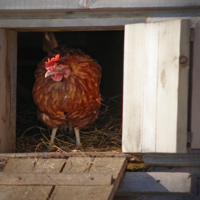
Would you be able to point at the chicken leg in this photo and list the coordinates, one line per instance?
(77, 134)
(53, 134)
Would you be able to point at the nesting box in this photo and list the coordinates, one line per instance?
(156, 64)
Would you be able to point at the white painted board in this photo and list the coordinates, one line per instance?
(156, 63)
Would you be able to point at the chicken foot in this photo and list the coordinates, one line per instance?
(77, 134)
(53, 134)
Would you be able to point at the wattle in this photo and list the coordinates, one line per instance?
(57, 77)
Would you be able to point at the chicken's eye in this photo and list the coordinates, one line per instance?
(60, 66)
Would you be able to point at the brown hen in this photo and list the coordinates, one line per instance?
(66, 90)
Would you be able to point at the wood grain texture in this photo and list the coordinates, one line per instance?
(112, 19)
(97, 4)
(157, 182)
(55, 179)
(178, 160)
(81, 193)
(155, 87)
(195, 109)
(25, 192)
(77, 165)
(65, 155)
(101, 166)
(28, 166)
(172, 99)
(8, 77)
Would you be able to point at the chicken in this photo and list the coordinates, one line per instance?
(66, 90)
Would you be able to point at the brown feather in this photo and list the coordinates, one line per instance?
(75, 100)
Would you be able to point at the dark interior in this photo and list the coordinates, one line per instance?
(104, 46)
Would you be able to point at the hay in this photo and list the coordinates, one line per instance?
(104, 135)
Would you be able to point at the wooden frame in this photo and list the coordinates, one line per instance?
(100, 4)
(8, 77)
(195, 92)
(75, 15)
(66, 15)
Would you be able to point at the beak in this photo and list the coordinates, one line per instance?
(49, 73)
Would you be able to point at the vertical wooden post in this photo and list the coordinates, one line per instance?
(195, 107)
(8, 74)
(156, 63)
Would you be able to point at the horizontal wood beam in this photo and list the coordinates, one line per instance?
(64, 20)
(128, 156)
(97, 4)
(170, 160)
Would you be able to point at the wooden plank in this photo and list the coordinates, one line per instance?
(65, 155)
(55, 179)
(81, 193)
(156, 111)
(158, 182)
(170, 160)
(108, 165)
(66, 24)
(8, 75)
(19, 166)
(77, 165)
(195, 109)
(49, 165)
(172, 99)
(16, 165)
(95, 20)
(26, 166)
(115, 165)
(25, 192)
(100, 4)
(190, 170)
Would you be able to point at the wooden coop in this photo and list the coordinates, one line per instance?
(158, 43)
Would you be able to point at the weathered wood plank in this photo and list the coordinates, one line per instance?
(108, 165)
(195, 108)
(16, 165)
(55, 179)
(77, 165)
(105, 165)
(191, 170)
(19, 166)
(158, 182)
(81, 193)
(26, 166)
(25, 192)
(60, 24)
(129, 156)
(65, 20)
(100, 4)
(178, 160)
(116, 166)
(155, 112)
(49, 165)
(8, 77)
(172, 99)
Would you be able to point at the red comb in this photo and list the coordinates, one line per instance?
(52, 60)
